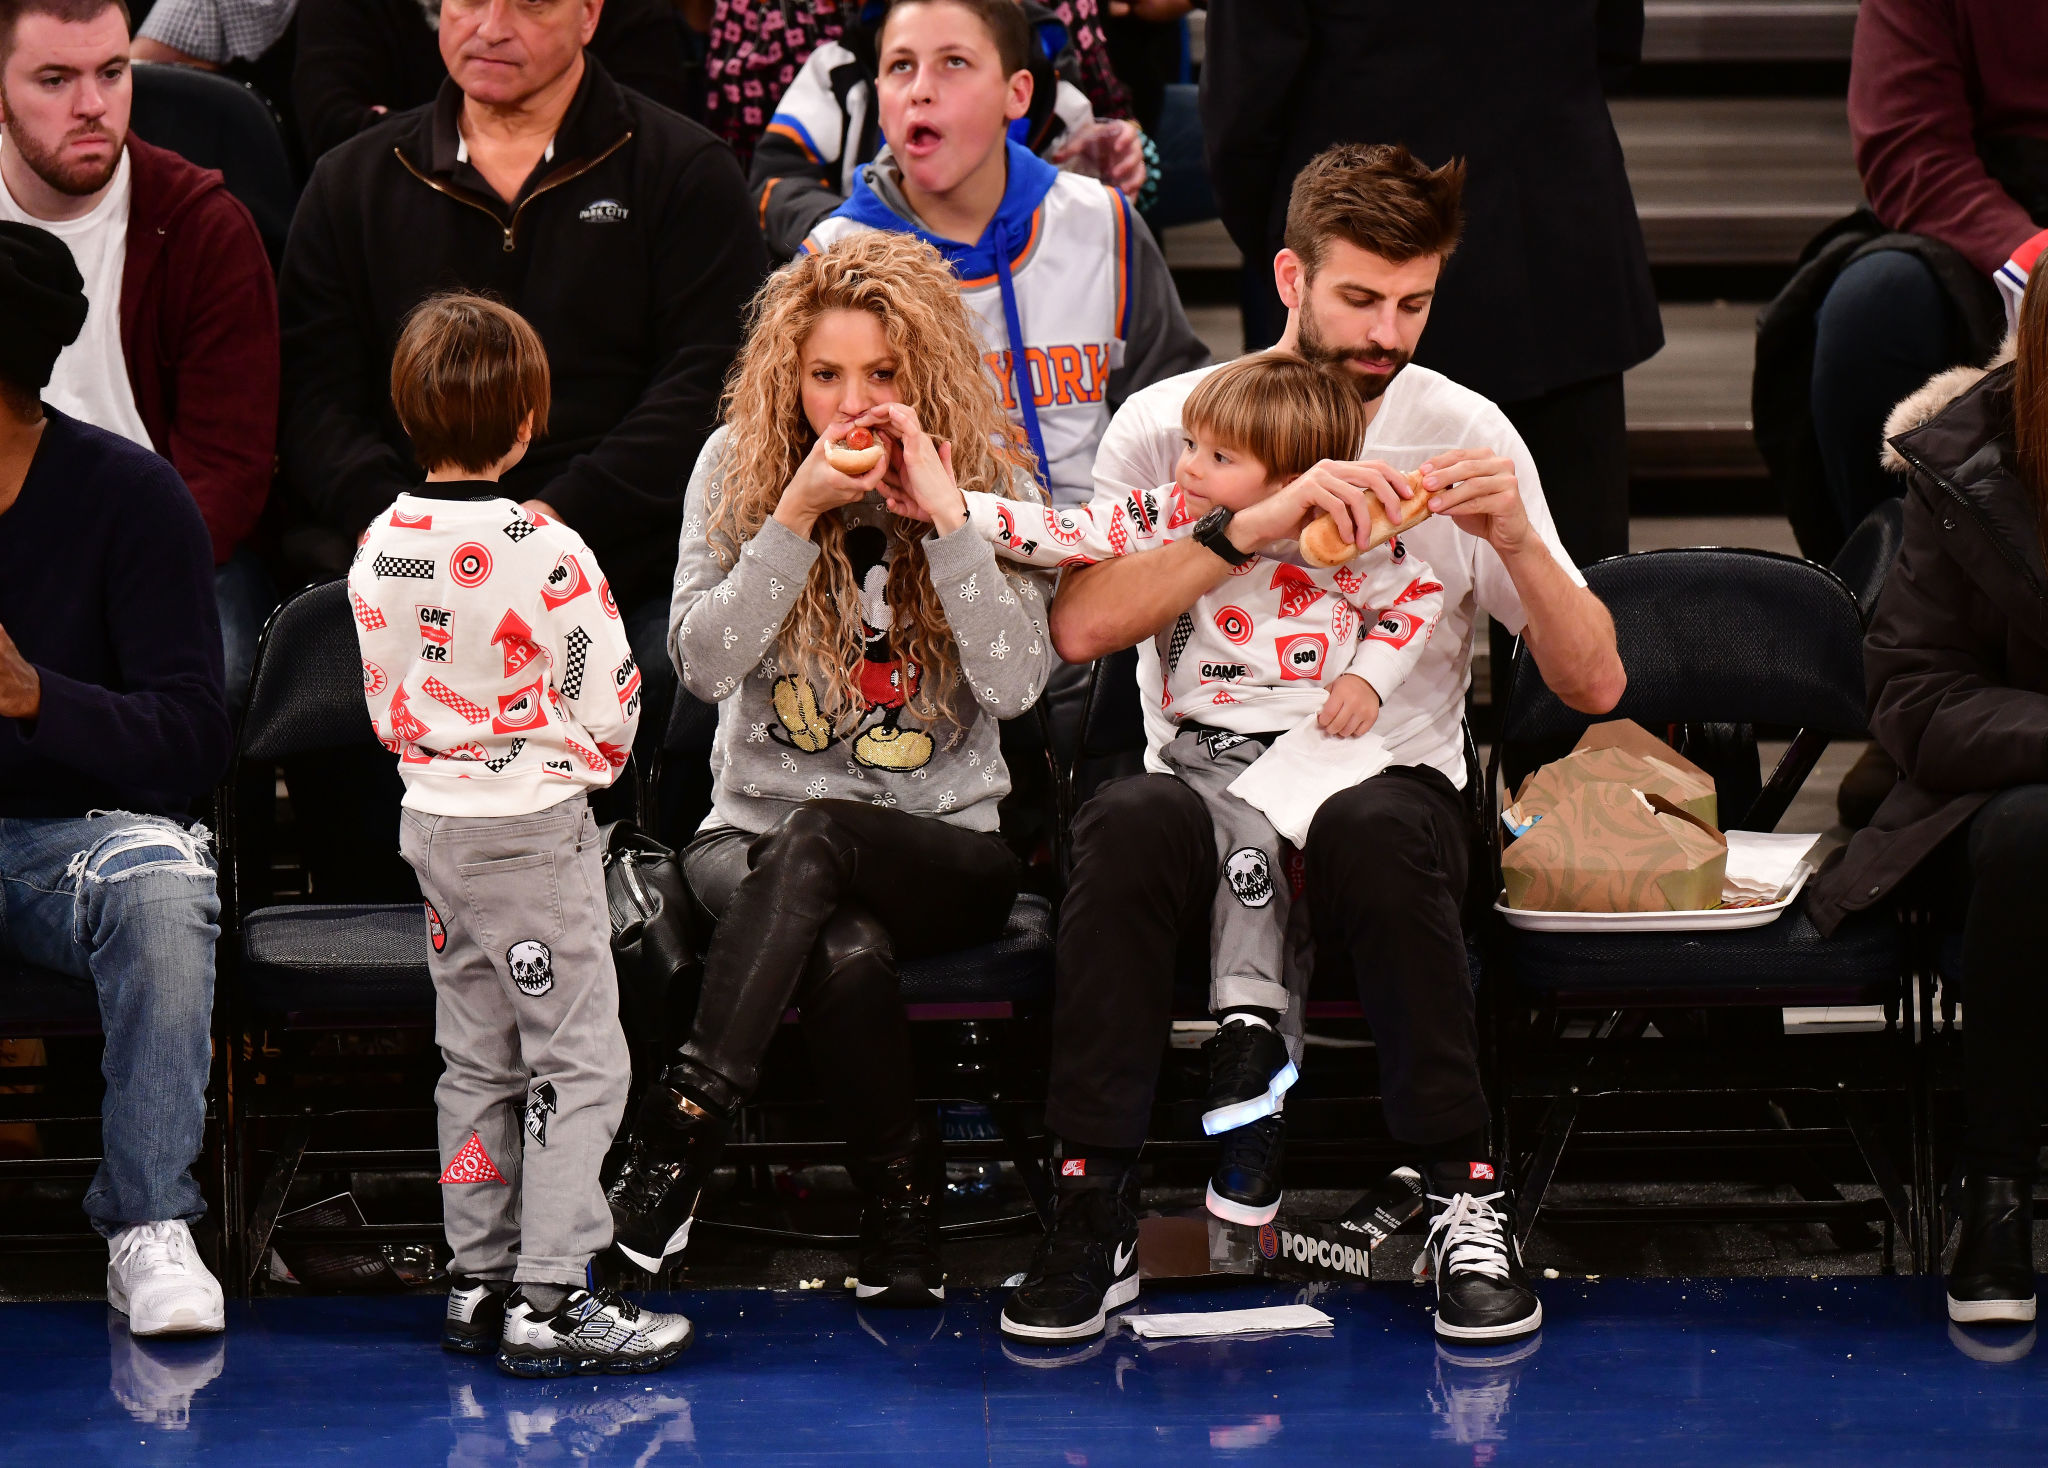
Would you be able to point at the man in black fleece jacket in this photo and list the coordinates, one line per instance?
(622, 231)
(113, 726)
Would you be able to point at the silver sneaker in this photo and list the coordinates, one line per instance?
(587, 1334)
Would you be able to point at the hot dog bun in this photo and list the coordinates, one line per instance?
(856, 453)
(1321, 545)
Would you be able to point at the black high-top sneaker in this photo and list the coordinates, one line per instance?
(1246, 1185)
(1992, 1278)
(1249, 1072)
(1482, 1291)
(677, 1139)
(476, 1314)
(899, 1232)
(1086, 1267)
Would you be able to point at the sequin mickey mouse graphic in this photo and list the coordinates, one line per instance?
(886, 685)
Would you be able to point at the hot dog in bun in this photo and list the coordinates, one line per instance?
(856, 453)
(1321, 545)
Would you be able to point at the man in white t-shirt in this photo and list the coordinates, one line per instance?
(1368, 231)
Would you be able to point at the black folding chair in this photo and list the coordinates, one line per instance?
(1722, 642)
(207, 119)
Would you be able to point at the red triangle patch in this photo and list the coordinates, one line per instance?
(472, 1164)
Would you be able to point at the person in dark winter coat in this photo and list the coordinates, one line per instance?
(361, 60)
(1548, 300)
(1957, 664)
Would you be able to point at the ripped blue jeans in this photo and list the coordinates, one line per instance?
(127, 904)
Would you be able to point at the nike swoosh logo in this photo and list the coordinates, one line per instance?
(1123, 1259)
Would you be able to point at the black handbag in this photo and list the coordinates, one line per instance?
(653, 945)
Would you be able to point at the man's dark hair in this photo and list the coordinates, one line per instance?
(71, 12)
(1002, 19)
(1378, 197)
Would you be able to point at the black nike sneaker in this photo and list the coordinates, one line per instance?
(1246, 1185)
(476, 1315)
(1482, 1290)
(1249, 1071)
(1084, 1269)
(1992, 1279)
(899, 1234)
(677, 1140)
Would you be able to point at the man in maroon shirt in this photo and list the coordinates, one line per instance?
(179, 353)
(1948, 106)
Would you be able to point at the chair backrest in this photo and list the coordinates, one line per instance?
(1866, 557)
(306, 693)
(1715, 636)
(214, 122)
(1719, 642)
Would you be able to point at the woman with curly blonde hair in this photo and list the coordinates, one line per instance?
(862, 644)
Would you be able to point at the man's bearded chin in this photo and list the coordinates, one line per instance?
(1324, 353)
(78, 179)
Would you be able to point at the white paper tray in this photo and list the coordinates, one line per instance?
(1713, 920)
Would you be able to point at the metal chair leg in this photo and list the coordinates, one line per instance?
(1557, 1130)
(276, 1188)
(1897, 1205)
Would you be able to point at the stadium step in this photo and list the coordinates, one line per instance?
(1678, 31)
(1718, 181)
(1735, 181)
(1688, 406)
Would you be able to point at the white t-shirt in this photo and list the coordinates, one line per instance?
(91, 378)
(1421, 413)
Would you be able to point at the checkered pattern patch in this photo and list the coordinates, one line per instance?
(578, 642)
(495, 765)
(371, 619)
(590, 757)
(416, 568)
(447, 697)
(520, 529)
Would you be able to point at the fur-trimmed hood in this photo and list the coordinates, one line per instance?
(1924, 404)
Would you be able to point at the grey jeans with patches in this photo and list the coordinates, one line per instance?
(1258, 952)
(527, 1018)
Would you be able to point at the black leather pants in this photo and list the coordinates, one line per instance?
(815, 911)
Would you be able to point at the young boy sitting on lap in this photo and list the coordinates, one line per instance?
(1274, 647)
(497, 670)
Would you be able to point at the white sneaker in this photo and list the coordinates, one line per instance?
(156, 1278)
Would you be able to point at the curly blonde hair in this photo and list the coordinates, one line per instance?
(908, 287)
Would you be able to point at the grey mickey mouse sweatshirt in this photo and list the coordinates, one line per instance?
(773, 749)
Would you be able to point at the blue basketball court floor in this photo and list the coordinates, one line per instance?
(1667, 1372)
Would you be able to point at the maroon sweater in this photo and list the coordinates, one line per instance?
(1926, 77)
(199, 330)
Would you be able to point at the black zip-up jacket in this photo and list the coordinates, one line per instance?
(1957, 656)
(632, 249)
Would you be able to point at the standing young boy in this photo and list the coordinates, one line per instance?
(1074, 302)
(497, 670)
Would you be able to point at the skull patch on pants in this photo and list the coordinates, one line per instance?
(1251, 876)
(533, 967)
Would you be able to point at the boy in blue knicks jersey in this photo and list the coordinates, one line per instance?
(1073, 302)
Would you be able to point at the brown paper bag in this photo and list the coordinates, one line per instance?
(1604, 848)
(1626, 734)
(1676, 779)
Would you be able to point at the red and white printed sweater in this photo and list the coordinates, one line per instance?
(495, 665)
(1258, 653)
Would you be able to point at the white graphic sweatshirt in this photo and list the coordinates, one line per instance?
(495, 665)
(1259, 652)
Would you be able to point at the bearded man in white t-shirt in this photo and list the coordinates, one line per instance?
(1386, 861)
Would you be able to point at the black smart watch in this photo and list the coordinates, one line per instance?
(1212, 531)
